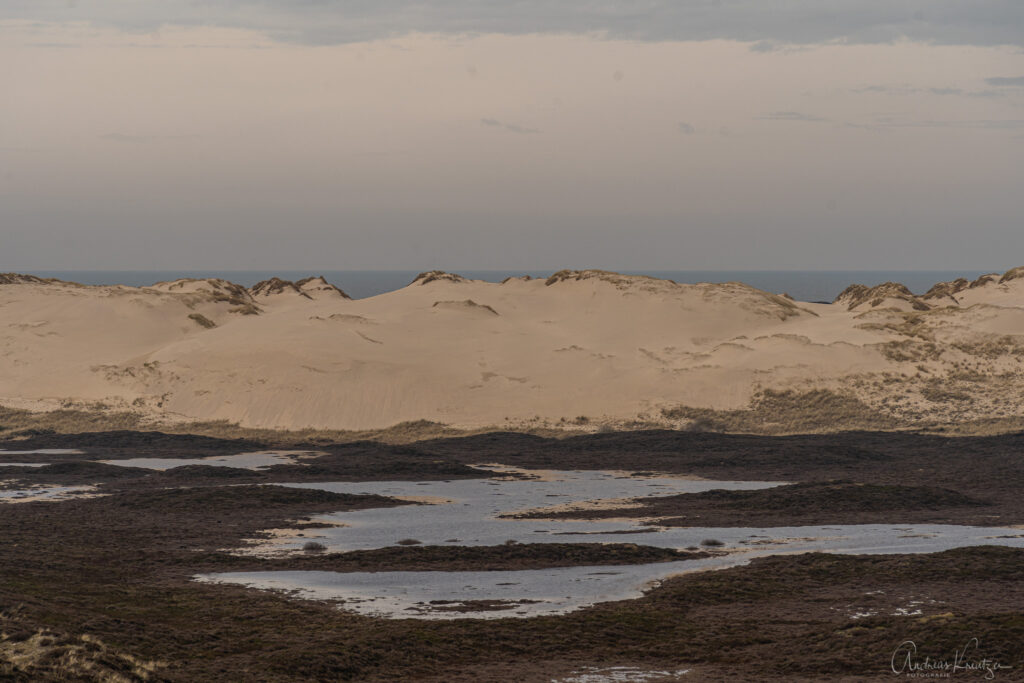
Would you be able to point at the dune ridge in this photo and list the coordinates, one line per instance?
(583, 347)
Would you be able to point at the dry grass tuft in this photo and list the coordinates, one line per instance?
(20, 424)
(910, 351)
(202, 320)
(940, 391)
(858, 295)
(437, 275)
(991, 348)
(468, 304)
(1012, 274)
(788, 412)
(15, 423)
(46, 655)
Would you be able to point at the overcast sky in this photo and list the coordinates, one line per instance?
(685, 134)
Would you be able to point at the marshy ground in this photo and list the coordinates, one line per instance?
(103, 586)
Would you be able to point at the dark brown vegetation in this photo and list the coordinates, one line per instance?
(840, 502)
(117, 569)
(906, 469)
(125, 584)
(458, 558)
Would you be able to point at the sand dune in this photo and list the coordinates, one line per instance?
(581, 344)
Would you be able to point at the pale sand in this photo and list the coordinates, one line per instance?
(475, 354)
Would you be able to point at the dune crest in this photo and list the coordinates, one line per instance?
(19, 279)
(605, 346)
(308, 288)
(1003, 290)
(885, 295)
(436, 276)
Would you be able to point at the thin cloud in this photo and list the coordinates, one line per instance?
(764, 23)
(872, 88)
(791, 116)
(55, 45)
(976, 124)
(137, 139)
(686, 128)
(1005, 82)
(908, 90)
(510, 127)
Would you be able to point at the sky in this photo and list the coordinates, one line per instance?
(505, 134)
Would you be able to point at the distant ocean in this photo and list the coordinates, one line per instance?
(804, 285)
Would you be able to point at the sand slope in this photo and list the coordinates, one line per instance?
(582, 343)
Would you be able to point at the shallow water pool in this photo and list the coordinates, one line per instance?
(247, 461)
(469, 513)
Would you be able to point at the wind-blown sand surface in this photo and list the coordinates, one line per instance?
(583, 348)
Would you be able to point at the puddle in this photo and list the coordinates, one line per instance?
(914, 608)
(460, 595)
(471, 516)
(536, 592)
(652, 478)
(271, 538)
(23, 464)
(247, 461)
(473, 508)
(46, 493)
(620, 674)
(44, 451)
